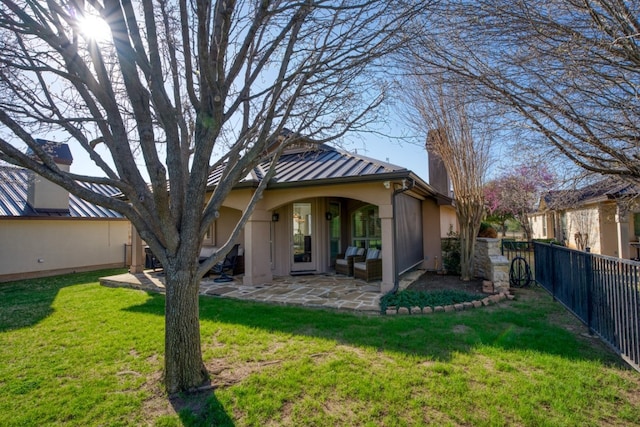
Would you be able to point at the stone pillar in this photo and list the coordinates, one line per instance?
(257, 262)
(490, 264)
(388, 265)
(622, 228)
(137, 252)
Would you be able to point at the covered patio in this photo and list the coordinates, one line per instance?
(330, 291)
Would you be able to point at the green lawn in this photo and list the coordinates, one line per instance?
(75, 353)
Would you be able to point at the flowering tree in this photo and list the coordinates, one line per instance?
(516, 193)
(493, 206)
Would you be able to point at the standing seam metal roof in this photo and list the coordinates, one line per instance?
(14, 184)
(321, 163)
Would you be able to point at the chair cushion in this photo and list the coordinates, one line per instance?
(360, 265)
(373, 254)
(351, 251)
(342, 261)
(207, 251)
(360, 252)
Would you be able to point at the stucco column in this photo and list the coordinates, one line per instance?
(622, 227)
(137, 252)
(257, 262)
(388, 266)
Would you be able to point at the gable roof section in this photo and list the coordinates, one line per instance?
(607, 189)
(321, 165)
(14, 184)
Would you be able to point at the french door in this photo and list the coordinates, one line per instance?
(302, 242)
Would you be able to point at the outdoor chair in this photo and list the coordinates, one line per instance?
(368, 268)
(228, 264)
(344, 262)
(150, 260)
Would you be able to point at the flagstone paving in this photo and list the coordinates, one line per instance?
(323, 290)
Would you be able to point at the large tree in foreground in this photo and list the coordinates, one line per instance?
(183, 87)
(444, 114)
(569, 70)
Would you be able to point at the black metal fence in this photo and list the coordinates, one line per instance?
(516, 248)
(603, 292)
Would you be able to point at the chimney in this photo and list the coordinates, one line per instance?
(43, 195)
(438, 176)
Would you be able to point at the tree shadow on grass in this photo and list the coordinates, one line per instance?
(25, 303)
(530, 324)
(200, 408)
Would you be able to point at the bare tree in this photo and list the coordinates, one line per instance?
(175, 82)
(443, 113)
(568, 69)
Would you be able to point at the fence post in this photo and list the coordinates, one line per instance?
(553, 270)
(588, 270)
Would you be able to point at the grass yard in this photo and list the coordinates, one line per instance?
(74, 353)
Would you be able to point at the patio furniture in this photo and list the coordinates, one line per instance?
(150, 260)
(228, 264)
(344, 262)
(369, 268)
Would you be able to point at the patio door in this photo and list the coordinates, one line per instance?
(302, 238)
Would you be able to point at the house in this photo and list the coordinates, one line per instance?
(323, 200)
(45, 231)
(603, 217)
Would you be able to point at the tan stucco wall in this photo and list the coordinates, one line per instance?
(41, 247)
(537, 222)
(608, 230)
(448, 220)
(584, 220)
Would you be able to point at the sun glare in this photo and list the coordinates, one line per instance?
(95, 28)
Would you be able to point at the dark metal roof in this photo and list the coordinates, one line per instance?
(322, 164)
(610, 188)
(14, 184)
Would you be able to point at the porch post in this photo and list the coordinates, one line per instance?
(137, 254)
(622, 227)
(388, 267)
(257, 262)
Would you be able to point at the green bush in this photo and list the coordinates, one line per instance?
(451, 253)
(487, 230)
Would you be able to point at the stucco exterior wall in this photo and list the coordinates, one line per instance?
(448, 221)
(587, 222)
(538, 230)
(44, 247)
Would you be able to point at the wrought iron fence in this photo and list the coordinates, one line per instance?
(603, 292)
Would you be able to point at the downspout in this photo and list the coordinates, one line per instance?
(396, 274)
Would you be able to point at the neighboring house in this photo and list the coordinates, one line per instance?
(603, 217)
(45, 231)
(323, 200)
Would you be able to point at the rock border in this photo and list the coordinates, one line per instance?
(485, 302)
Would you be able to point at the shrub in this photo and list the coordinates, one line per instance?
(487, 230)
(410, 298)
(451, 253)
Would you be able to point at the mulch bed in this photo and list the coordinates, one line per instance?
(432, 281)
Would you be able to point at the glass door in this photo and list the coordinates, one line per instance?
(302, 243)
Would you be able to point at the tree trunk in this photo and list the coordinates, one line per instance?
(467, 248)
(184, 368)
(469, 215)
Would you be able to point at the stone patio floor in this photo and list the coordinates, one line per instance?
(331, 291)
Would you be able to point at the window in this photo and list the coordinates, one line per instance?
(366, 228)
(636, 224)
(209, 236)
